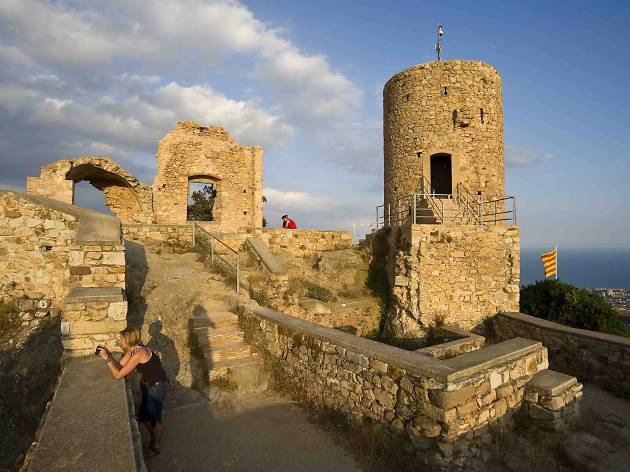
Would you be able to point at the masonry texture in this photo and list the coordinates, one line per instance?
(460, 275)
(425, 401)
(589, 355)
(452, 107)
(46, 249)
(190, 153)
(194, 153)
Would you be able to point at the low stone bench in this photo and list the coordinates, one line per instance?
(551, 399)
(466, 342)
(92, 316)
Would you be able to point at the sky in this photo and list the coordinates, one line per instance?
(305, 81)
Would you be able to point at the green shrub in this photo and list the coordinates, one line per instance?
(260, 297)
(563, 303)
(305, 288)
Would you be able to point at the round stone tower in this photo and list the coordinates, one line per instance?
(443, 121)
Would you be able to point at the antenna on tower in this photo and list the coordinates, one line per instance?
(438, 45)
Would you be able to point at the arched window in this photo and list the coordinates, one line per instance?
(441, 174)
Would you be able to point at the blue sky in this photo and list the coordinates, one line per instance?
(304, 79)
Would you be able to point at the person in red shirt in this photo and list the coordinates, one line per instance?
(288, 223)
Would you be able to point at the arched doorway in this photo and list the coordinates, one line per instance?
(441, 174)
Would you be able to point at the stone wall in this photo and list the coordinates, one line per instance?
(302, 243)
(193, 152)
(589, 355)
(437, 108)
(460, 275)
(158, 235)
(426, 402)
(48, 247)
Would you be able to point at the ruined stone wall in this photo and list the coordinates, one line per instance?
(159, 235)
(589, 355)
(460, 275)
(426, 402)
(437, 108)
(42, 256)
(192, 150)
(302, 243)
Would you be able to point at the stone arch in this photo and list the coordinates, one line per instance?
(128, 198)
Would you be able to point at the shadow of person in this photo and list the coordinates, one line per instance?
(136, 270)
(165, 348)
(200, 352)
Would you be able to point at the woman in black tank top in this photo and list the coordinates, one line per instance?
(154, 383)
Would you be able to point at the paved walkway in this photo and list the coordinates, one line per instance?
(260, 433)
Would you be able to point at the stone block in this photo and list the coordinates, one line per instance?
(118, 311)
(113, 258)
(445, 399)
(73, 344)
(80, 270)
(97, 327)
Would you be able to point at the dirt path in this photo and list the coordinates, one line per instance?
(214, 431)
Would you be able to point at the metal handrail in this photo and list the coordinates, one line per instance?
(469, 210)
(237, 269)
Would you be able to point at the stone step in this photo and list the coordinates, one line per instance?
(226, 351)
(218, 337)
(216, 322)
(220, 368)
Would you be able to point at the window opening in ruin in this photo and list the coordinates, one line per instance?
(407, 97)
(85, 195)
(454, 119)
(445, 93)
(202, 195)
(441, 174)
(481, 113)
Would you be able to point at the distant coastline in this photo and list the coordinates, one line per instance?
(585, 268)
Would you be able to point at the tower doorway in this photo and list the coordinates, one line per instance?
(441, 174)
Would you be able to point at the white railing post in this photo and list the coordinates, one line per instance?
(514, 210)
(211, 250)
(389, 214)
(238, 272)
(193, 231)
(415, 221)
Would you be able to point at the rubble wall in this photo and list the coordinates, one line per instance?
(422, 400)
(302, 243)
(42, 255)
(459, 275)
(589, 355)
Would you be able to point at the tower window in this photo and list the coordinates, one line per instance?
(481, 114)
(407, 97)
(445, 92)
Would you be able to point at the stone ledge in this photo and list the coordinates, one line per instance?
(567, 330)
(95, 294)
(264, 255)
(506, 351)
(550, 383)
(88, 424)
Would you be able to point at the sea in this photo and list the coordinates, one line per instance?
(584, 268)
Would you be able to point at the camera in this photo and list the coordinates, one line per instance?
(98, 350)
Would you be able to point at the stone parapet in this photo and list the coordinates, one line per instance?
(92, 316)
(303, 242)
(160, 235)
(424, 401)
(588, 355)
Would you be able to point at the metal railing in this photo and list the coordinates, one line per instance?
(461, 208)
(211, 237)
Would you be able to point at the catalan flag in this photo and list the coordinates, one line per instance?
(550, 261)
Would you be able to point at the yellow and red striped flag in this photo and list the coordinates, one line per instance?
(550, 261)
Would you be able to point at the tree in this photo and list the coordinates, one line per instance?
(201, 207)
(563, 303)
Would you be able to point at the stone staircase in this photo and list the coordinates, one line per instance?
(228, 357)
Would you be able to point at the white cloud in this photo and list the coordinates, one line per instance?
(516, 156)
(138, 43)
(292, 201)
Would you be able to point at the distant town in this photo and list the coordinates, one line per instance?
(619, 298)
